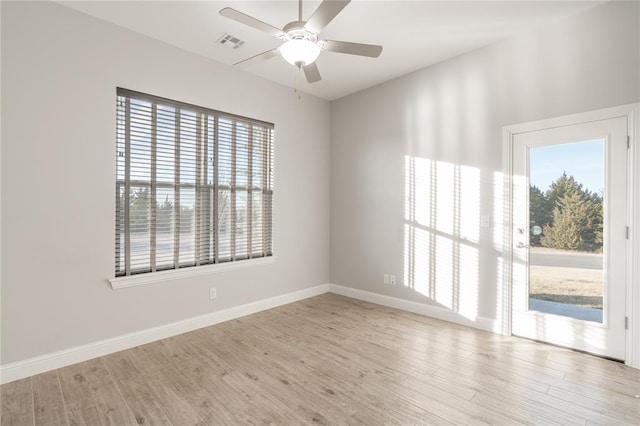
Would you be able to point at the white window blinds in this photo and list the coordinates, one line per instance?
(193, 187)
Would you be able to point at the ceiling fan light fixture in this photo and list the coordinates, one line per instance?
(300, 52)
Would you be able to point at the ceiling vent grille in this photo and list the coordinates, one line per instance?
(230, 41)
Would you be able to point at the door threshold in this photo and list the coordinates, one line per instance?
(621, 361)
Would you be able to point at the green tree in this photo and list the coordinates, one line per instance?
(598, 222)
(566, 231)
(164, 215)
(576, 224)
(540, 213)
(560, 187)
(139, 202)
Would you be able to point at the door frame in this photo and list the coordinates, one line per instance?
(632, 280)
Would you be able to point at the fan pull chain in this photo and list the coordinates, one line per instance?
(296, 88)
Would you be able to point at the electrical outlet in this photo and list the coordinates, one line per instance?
(485, 221)
(386, 278)
(213, 293)
(392, 279)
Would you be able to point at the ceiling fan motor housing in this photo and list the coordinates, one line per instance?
(296, 31)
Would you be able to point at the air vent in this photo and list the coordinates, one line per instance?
(230, 41)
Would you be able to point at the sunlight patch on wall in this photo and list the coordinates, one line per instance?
(500, 210)
(503, 313)
(469, 196)
(422, 269)
(446, 282)
(469, 273)
(499, 241)
(441, 233)
(421, 181)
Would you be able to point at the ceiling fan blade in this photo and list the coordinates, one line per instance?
(312, 73)
(257, 58)
(324, 14)
(245, 19)
(360, 49)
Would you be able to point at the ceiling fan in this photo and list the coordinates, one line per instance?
(301, 45)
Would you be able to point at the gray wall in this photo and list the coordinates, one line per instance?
(60, 70)
(416, 161)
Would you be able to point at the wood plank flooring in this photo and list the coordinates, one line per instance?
(331, 360)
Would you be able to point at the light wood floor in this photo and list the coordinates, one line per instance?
(331, 360)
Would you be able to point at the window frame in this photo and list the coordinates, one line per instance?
(127, 276)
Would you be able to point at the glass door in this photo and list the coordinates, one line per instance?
(570, 192)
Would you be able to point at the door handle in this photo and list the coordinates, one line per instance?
(522, 245)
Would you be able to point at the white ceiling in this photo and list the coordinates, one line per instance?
(415, 34)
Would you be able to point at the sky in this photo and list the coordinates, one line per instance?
(583, 160)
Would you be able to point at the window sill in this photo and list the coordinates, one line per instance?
(194, 271)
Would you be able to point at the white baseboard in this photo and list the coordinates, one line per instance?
(40, 364)
(432, 311)
(43, 363)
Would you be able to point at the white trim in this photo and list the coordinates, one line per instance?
(195, 271)
(482, 323)
(507, 231)
(52, 361)
(568, 120)
(632, 112)
(633, 295)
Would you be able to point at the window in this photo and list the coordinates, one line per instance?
(193, 187)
